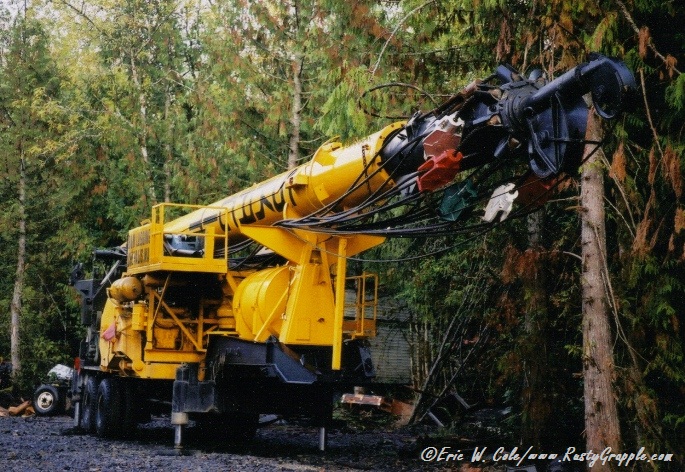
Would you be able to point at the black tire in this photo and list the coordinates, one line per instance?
(132, 408)
(109, 412)
(89, 404)
(47, 401)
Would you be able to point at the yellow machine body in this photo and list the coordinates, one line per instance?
(148, 329)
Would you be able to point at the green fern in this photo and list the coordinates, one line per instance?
(675, 93)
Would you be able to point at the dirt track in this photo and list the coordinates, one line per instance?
(50, 444)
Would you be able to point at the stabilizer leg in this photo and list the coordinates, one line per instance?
(179, 420)
(323, 438)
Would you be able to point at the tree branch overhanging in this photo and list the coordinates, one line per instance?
(650, 43)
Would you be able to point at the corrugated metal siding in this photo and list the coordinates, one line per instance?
(390, 353)
(390, 348)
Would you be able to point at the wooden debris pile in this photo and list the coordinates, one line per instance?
(394, 407)
(25, 408)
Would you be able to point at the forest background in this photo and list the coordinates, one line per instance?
(108, 107)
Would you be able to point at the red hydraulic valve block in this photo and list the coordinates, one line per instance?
(439, 170)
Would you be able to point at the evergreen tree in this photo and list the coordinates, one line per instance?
(643, 264)
(29, 86)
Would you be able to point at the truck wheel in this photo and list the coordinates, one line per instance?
(131, 408)
(89, 404)
(47, 400)
(108, 414)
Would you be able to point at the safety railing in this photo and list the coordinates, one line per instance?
(361, 313)
(152, 248)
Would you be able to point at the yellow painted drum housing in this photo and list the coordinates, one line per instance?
(126, 289)
(259, 303)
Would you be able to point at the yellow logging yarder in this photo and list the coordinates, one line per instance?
(246, 306)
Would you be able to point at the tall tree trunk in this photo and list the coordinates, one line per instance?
(142, 133)
(295, 115)
(18, 292)
(168, 148)
(601, 417)
(534, 397)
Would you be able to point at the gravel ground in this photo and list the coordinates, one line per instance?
(51, 444)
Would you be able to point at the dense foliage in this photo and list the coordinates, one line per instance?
(110, 106)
